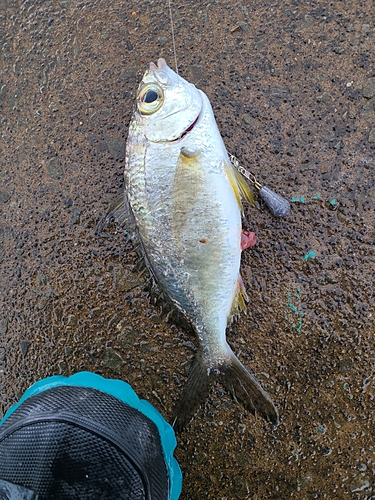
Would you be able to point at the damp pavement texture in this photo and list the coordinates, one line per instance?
(292, 85)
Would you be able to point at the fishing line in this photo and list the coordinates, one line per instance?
(173, 40)
(278, 206)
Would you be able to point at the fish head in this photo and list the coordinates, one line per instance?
(168, 106)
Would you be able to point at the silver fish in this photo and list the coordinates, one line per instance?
(184, 197)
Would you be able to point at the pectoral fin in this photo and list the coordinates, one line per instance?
(239, 185)
(233, 183)
(243, 186)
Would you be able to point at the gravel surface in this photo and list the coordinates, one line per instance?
(292, 85)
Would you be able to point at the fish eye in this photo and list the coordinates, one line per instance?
(150, 98)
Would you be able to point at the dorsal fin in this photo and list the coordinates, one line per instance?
(120, 211)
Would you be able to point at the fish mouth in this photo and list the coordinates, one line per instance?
(182, 135)
(189, 129)
(161, 64)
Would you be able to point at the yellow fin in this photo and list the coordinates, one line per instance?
(239, 185)
(229, 170)
(243, 186)
(239, 300)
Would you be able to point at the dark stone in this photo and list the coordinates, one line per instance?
(15, 97)
(346, 365)
(116, 147)
(307, 22)
(4, 196)
(129, 73)
(197, 72)
(3, 326)
(54, 169)
(75, 215)
(24, 345)
(368, 90)
(249, 120)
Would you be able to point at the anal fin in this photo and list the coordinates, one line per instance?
(239, 300)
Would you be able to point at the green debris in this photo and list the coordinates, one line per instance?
(332, 202)
(295, 310)
(317, 197)
(309, 255)
(290, 305)
(298, 199)
(321, 429)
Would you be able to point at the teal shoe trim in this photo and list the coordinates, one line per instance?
(123, 391)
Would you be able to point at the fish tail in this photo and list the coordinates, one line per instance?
(235, 377)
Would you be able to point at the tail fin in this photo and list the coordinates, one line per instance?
(234, 376)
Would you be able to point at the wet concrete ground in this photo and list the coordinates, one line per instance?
(292, 85)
